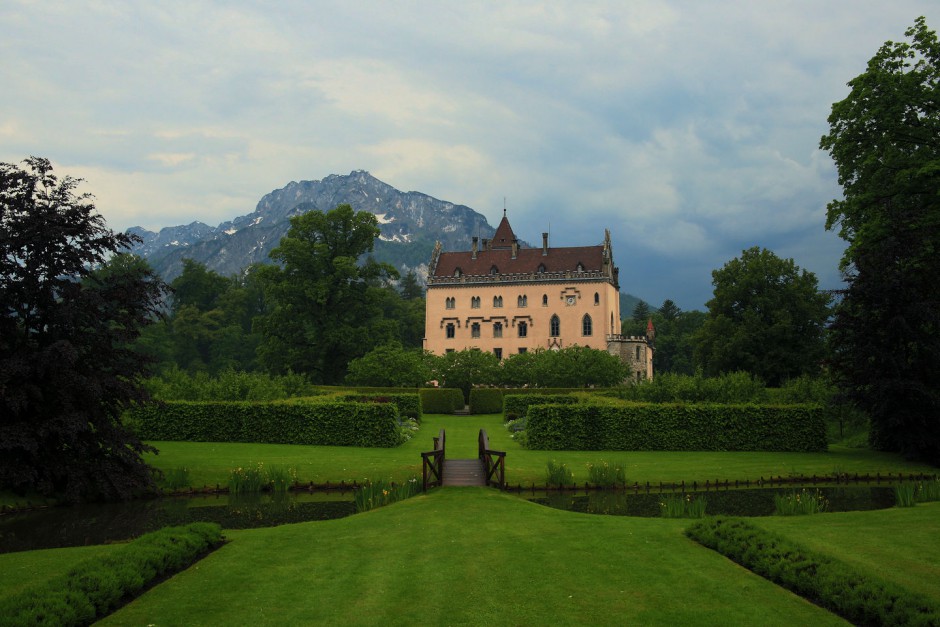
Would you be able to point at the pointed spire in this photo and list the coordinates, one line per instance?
(504, 236)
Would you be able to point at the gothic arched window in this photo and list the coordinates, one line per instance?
(554, 327)
(523, 329)
(587, 326)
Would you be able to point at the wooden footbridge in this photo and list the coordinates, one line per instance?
(489, 469)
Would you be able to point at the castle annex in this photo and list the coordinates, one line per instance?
(502, 298)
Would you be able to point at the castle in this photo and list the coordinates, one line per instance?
(505, 299)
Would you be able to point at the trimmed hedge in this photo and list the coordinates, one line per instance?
(280, 422)
(676, 427)
(486, 401)
(96, 587)
(408, 404)
(441, 400)
(517, 405)
(825, 581)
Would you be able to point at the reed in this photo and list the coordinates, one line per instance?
(682, 506)
(246, 480)
(606, 475)
(800, 503)
(905, 494)
(558, 475)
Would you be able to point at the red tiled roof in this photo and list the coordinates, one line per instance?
(504, 237)
(527, 260)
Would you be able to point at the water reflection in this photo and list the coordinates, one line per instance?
(753, 502)
(113, 522)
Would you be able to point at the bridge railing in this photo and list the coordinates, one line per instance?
(494, 462)
(432, 467)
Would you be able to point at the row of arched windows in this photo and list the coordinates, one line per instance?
(521, 301)
(554, 328)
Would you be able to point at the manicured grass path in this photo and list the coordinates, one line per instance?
(468, 556)
(899, 544)
(210, 463)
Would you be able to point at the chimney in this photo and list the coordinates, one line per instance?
(544, 244)
(515, 248)
(473, 250)
(486, 244)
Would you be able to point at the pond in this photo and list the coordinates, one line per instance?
(748, 502)
(81, 525)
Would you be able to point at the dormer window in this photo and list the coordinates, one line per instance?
(458, 272)
(580, 267)
(494, 270)
(541, 268)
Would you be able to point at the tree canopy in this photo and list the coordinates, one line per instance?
(885, 140)
(324, 309)
(69, 311)
(766, 317)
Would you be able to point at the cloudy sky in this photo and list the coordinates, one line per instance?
(689, 129)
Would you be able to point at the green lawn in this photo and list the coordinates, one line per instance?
(468, 556)
(24, 568)
(210, 463)
(898, 544)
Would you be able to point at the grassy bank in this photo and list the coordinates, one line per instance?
(899, 544)
(468, 556)
(210, 463)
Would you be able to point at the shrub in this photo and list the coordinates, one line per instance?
(94, 588)
(280, 422)
(408, 404)
(905, 494)
(823, 580)
(731, 388)
(486, 401)
(668, 427)
(441, 400)
(230, 385)
(800, 503)
(517, 405)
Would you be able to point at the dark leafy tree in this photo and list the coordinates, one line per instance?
(675, 342)
(465, 369)
(323, 312)
(66, 367)
(766, 317)
(885, 140)
(390, 365)
(197, 286)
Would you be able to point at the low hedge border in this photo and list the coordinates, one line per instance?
(441, 400)
(315, 422)
(96, 587)
(825, 581)
(486, 401)
(517, 405)
(676, 427)
(409, 405)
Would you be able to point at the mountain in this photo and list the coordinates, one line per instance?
(410, 223)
